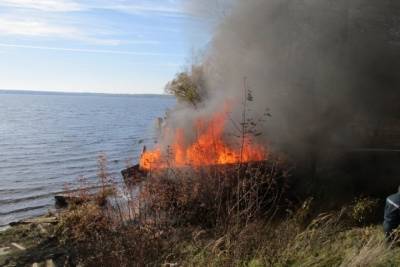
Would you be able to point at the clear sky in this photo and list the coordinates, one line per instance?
(107, 46)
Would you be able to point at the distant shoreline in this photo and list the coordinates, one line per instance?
(29, 92)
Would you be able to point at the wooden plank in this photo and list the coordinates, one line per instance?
(18, 246)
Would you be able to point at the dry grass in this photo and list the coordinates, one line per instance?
(330, 239)
(167, 209)
(219, 216)
(215, 196)
(373, 253)
(299, 238)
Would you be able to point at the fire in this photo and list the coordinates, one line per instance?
(209, 147)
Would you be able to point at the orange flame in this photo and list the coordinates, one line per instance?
(209, 148)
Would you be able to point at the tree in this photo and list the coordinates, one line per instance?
(188, 86)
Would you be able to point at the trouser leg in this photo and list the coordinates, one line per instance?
(388, 232)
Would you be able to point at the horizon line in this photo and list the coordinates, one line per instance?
(33, 91)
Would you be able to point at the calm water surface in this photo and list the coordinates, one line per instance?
(48, 141)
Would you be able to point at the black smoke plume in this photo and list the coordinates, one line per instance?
(327, 70)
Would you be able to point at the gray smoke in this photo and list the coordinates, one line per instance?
(328, 70)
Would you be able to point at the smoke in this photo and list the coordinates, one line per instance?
(324, 69)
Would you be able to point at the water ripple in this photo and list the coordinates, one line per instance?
(48, 141)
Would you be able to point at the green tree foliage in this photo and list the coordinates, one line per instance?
(188, 86)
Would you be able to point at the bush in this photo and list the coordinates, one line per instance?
(215, 196)
(96, 239)
(363, 210)
(146, 229)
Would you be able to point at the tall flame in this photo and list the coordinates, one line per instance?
(208, 148)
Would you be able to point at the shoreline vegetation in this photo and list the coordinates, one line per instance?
(245, 214)
(232, 215)
(93, 234)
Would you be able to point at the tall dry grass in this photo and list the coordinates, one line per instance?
(189, 219)
(141, 226)
(373, 253)
(215, 195)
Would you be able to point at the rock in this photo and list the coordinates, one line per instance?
(63, 201)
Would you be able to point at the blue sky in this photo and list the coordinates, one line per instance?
(108, 46)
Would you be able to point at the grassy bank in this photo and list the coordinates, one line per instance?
(216, 216)
(329, 239)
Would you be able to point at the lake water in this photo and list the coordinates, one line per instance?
(49, 140)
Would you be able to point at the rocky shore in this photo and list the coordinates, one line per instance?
(33, 243)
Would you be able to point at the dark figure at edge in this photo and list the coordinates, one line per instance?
(392, 215)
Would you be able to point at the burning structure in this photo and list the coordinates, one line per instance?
(327, 71)
(211, 146)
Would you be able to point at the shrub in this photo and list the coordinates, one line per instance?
(216, 195)
(363, 210)
(96, 239)
(144, 230)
